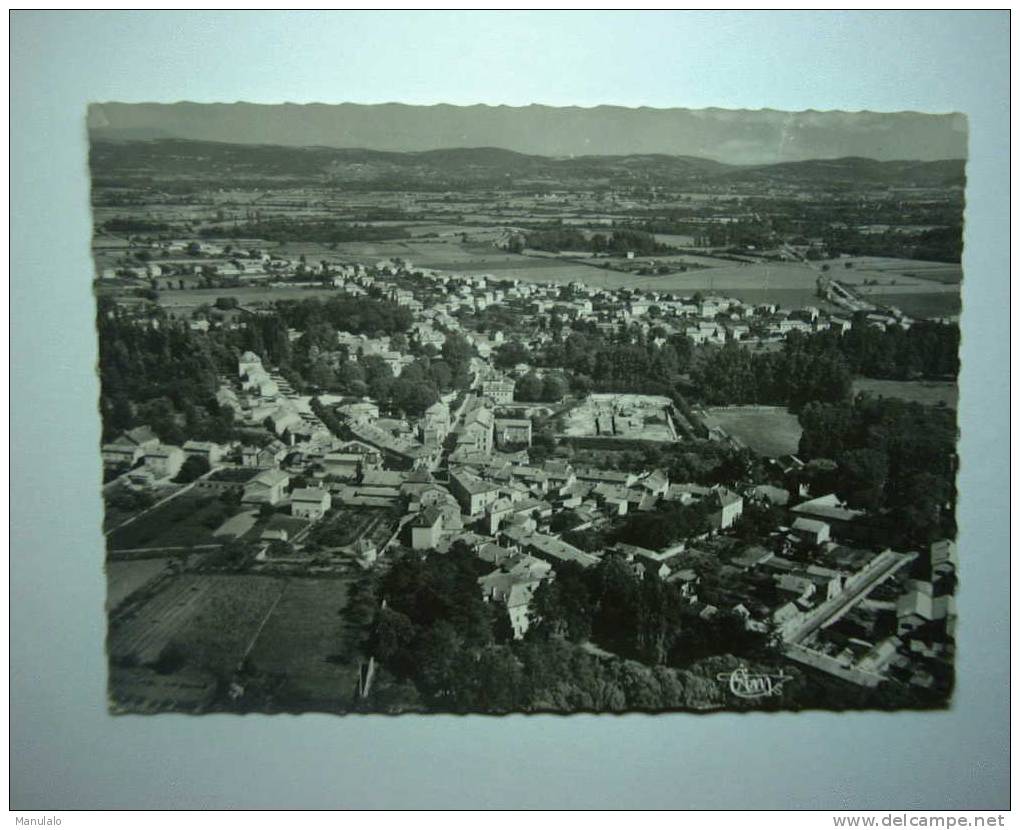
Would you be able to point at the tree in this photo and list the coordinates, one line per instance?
(413, 397)
(321, 374)
(511, 353)
(392, 634)
(193, 467)
(121, 415)
(441, 374)
(563, 607)
(457, 352)
(529, 388)
(863, 474)
(554, 387)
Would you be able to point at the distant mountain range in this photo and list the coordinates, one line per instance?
(730, 136)
(488, 166)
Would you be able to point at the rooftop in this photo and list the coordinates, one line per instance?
(314, 495)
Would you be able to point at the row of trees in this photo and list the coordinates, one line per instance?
(810, 367)
(358, 315)
(533, 387)
(793, 377)
(927, 349)
(280, 229)
(940, 244)
(619, 242)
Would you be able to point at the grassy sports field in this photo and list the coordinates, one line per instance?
(768, 430)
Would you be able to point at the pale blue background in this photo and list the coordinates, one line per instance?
(68, 753)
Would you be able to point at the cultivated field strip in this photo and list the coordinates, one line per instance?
(146, 634)
(212, 619)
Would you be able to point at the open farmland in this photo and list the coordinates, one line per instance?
(191, 298)
(901, 270)
(203, 623)
(186, 520)
(922, 304)
(929, 393)
(305, 644)
(124, 578)
(768, 430)
(711, 275)
(919, 289)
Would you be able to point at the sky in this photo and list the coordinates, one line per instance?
(731, 136)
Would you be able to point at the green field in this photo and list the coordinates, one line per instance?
(187, 520)
(288, 633)
(192, 298)
(768, 430)
(205, 622)
(305, 643)
(904, 271)
(124, 578)
(923, 305)
(930, 393)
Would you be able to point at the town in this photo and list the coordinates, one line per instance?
(348, 483)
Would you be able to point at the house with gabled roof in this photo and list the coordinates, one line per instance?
(208, 450)
(164, 460)
(473, 494)
(268, 487)
(727, 508)
(310, 503)
(129, 446)
(813, 531)
(655, 482)
(426, 529)
(268, 456)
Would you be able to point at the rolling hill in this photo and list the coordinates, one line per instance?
(151, 161)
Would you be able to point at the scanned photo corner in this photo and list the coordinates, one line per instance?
(497, 410)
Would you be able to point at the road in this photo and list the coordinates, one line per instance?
(856, 589)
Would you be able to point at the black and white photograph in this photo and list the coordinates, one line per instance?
(497, 410)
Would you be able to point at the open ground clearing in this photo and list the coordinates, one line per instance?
(209, 620)
(930, 393)
(124, 578)
(184, 521)
(305, 641)
(768, 430)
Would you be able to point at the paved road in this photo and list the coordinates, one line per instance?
(858, 587)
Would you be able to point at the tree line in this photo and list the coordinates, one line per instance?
(280, 229)
(619, 242)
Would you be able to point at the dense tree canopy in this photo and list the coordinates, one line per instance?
(890, 455)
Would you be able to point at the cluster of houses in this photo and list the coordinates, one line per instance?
(461, 474)
(148, 461)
